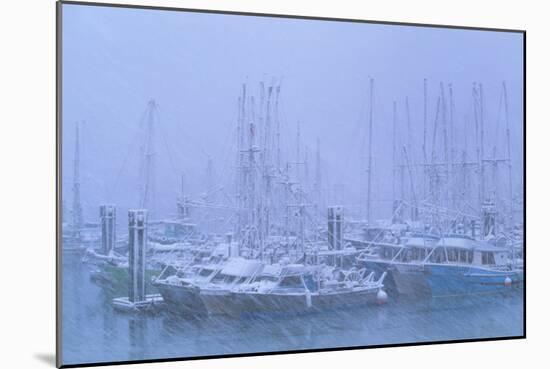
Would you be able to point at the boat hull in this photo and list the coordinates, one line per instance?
(454, 280)
(379, 267)
(404, 279)
(410, 279)
(218, 302)
(181, 299)
(243, 303)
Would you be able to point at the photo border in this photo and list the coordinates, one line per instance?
(58, 112)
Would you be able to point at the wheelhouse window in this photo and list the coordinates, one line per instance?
(463, 256)
(292, 281)
(487, 258)
(205, 272)
(223, 278)
(422, 254)
(405, 255)
(242, 280)
(310, 282)
(266, 278)
(452, 255)
(438, 256)
(388, 252)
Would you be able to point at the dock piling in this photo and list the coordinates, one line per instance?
(107, 215)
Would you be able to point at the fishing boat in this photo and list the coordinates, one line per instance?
(298, 288)
(180, 287)
(216, 295)
(404, 262)
(460, 265)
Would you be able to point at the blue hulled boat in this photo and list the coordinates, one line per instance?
(460, 265)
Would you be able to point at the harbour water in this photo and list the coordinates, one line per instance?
(93, 332)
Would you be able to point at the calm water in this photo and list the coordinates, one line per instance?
(93, 332)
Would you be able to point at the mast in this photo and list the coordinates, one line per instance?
(408, 153)
(241, 172)
(445, 143)
(424, 135)
(77, 206)
(306, 167)
(267, 134)
(298, 142)
(414, 208)
(182, 203)
(453, 150)
(287, 207)
(434, 175)
(147, 200)
(394, 157)
(482, 142)
(401, 165)
(238, 170)
(434, 133)
(267, 165)
(369, 168)
(251, 171)
(298, 155)
(261, 126)
(209, 178)
(478, 154)
(302, 230)
(465, 182)
(509, 152)
(278, 126)
(318, 171)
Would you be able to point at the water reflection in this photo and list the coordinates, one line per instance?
(94, 332)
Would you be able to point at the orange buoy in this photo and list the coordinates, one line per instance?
(508, 282)
(381, 297)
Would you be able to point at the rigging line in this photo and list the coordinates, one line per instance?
(358, 131)
(190, 140)
(123, 165)
(230, 137)
(432, 207)
(175, 172)
(285, 129)
(188, 236)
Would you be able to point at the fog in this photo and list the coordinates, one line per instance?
(193, 65)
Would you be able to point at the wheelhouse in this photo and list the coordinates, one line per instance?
(467, 251)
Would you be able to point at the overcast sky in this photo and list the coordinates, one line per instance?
(193, 65)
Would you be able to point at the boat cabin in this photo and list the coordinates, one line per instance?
(413, 249)
(295, 278)
(465, 250)
(236, 271)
